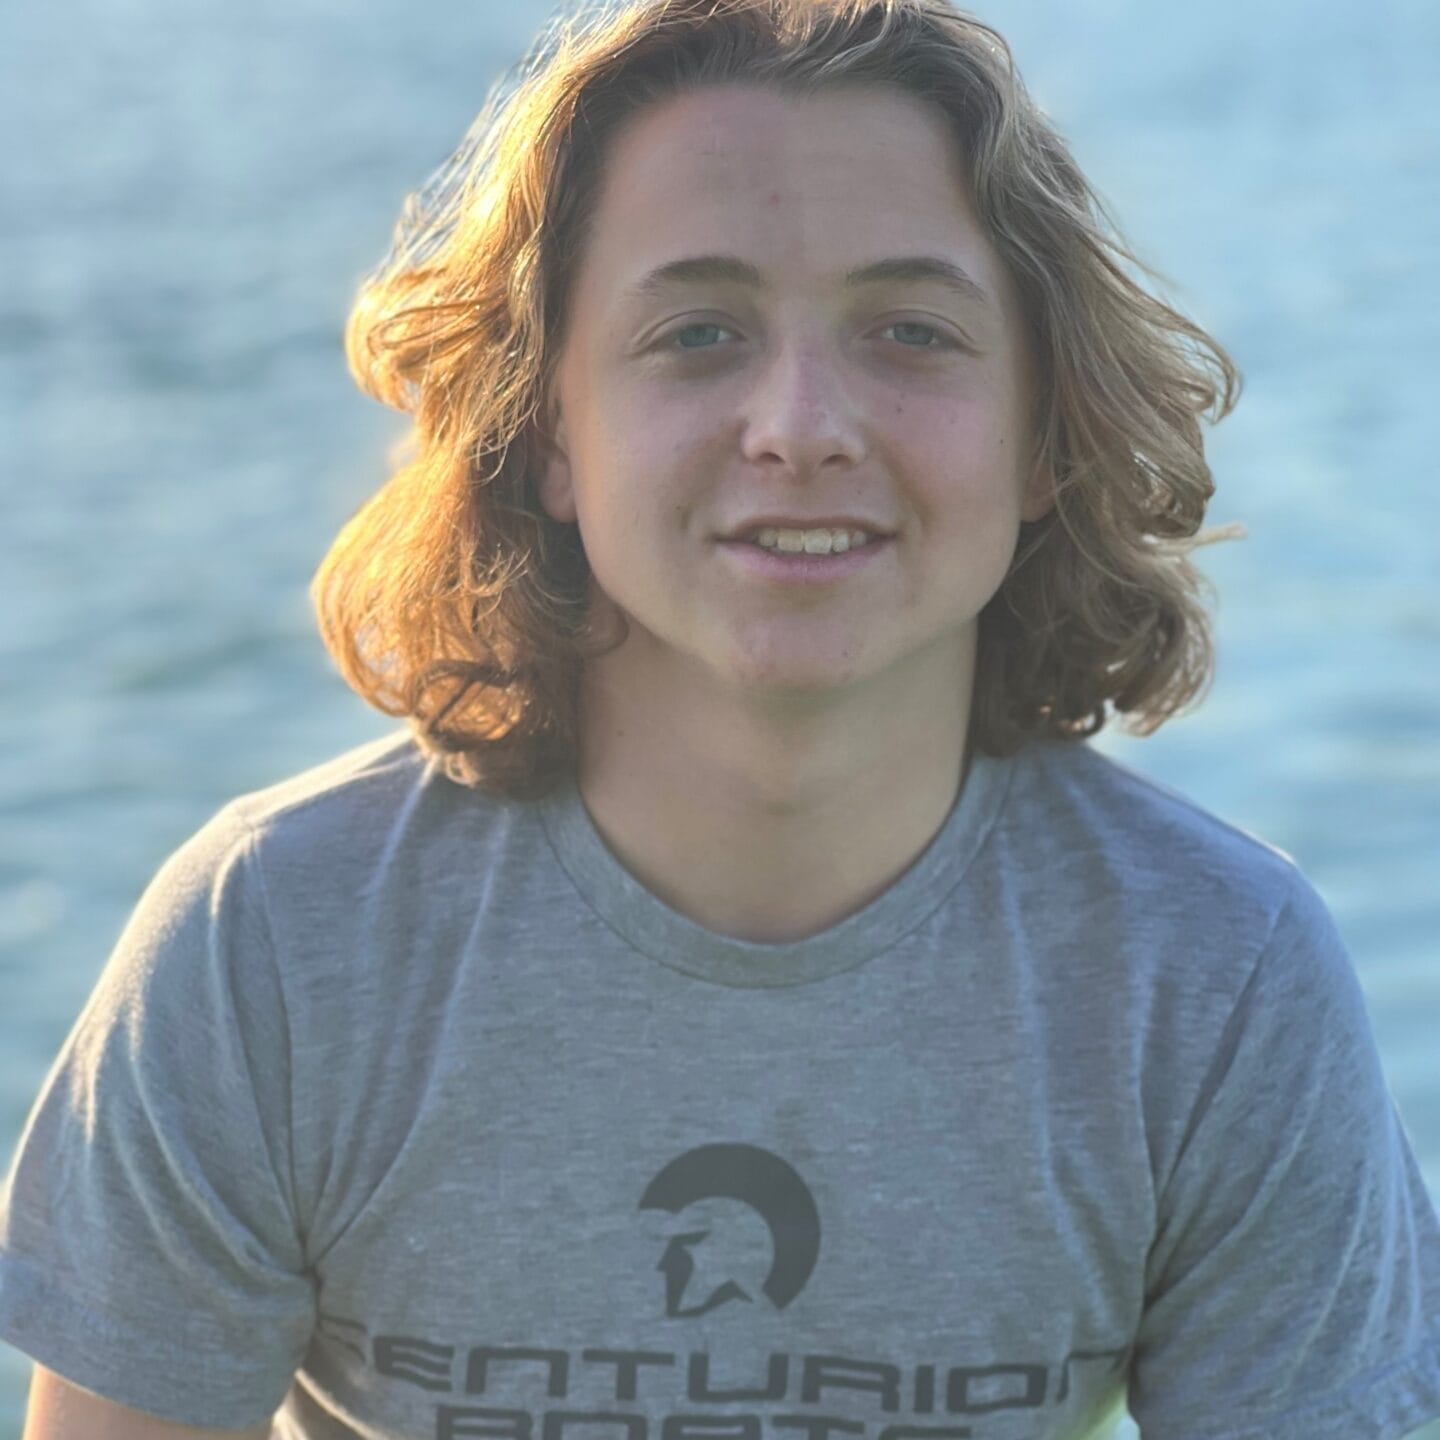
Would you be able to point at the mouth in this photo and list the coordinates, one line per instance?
(831, 539)
(753, 559)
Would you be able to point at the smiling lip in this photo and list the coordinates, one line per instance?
(797, 567)
(751, 528)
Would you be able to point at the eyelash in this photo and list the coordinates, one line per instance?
(668, 342)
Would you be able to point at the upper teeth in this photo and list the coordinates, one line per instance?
(812, 542)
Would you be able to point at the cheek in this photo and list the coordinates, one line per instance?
(617, 497)
(951, 453)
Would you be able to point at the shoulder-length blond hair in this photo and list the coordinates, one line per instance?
(451, 598)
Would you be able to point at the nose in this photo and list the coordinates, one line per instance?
(799, 415)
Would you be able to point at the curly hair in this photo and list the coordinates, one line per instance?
(451, 598)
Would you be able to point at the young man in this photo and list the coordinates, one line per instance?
(794, 1046)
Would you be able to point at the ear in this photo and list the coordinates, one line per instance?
(554, 484)
(1039, 497)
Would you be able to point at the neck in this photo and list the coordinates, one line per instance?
(768, 818)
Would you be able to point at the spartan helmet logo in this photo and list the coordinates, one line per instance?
(773, 1192)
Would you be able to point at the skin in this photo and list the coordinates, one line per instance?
(768, 760)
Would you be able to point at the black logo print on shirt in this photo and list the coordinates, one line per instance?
(757, 1178)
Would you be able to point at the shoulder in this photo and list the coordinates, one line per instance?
(359, 784)
(367, 807)
(1075, 787)
(282, 862)
(1112, 837)
(377, 836)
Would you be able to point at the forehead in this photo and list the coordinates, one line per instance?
(806, 188)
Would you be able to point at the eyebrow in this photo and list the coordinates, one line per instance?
(730, 269)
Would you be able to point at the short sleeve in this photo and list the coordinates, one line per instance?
(1293, 1287)
(150, 1250)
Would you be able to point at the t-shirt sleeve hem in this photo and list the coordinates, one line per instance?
(1390, 1403)
(128, 1364)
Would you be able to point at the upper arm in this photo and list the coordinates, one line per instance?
(59, 1410)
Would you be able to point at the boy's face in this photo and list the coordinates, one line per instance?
(899, 402)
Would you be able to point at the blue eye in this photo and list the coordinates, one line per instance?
(916, 325)
(697, 325)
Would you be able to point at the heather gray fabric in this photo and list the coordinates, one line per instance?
(408, 1112)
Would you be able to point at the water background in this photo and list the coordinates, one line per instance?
(196, 191)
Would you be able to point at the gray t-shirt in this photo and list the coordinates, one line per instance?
(408, 1112)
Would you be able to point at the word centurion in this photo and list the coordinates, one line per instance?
(957, 1390)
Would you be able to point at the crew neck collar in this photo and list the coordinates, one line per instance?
(674, 940)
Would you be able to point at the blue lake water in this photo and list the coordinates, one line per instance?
(196, 193)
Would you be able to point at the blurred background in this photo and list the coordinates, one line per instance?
(191, 194)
